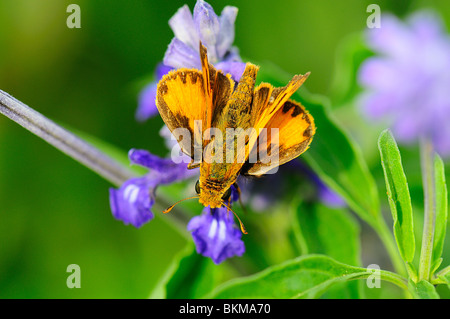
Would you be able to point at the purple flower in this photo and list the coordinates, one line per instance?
(406, 83)
(216, 235)
(216, 34)
(132, 202)
(326, 195)
(261, 194)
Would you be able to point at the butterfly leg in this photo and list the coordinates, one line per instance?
(239, 197)
(193, 165)
(229, 204)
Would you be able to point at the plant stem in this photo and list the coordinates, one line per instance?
(395, 279)
(389, 242)
(444, 271)
(75, 147)
(426, 152)
(437, 278)
(64, 140)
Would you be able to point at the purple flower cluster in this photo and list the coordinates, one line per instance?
(215, 232)
(407, 81)
(133, 201)
(215, 32)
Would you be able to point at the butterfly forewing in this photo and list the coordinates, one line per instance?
(181, 100)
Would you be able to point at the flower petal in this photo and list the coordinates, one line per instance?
(208, 26)
(328, 197)
(236, 69)
(226, 34)
(161, 70)
(131, 203)
(392, 39)
(146, 103)
(216, 235)
(183, 27)
(232, 55)
(180, 55)
(407, 87)
(427, 25)
(164, 170)
(147, 159)
(379, 73)
(234, 194)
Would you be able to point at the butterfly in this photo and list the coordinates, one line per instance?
(207, 104)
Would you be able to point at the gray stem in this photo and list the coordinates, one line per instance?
(426, 253)
(64, 140)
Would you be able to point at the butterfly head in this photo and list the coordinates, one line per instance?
(215, 198)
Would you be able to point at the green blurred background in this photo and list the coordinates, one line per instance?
(55, 212)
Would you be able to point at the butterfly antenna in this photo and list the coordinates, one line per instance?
(170, 207)
(243, 230)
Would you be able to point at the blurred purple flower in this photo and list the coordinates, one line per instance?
(132, 202)
(216, 235)
(407, 82)
(326, 195)
(216, 34)
(261, 194)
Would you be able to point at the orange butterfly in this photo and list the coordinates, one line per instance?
(208, 106)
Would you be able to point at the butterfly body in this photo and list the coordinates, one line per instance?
(217, 176)
(231, 121)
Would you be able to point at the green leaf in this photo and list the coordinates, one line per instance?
(444, 277)
(333, 155)
(339, 163)
(189, 276)
(423, 290)
(304, 277)
(398, 195)
(352, 51)
(441, 211)
(332, 232)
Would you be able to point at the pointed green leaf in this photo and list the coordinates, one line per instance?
(398, 195)
(351, 53)
(332, 232)
(304, 277)
(423, 290)
(441, 211)
(444, 277)
(190, 276)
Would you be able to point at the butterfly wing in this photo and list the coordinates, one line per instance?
(289, 128)
(185, 96)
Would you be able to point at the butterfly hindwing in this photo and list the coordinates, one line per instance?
(293, 129)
